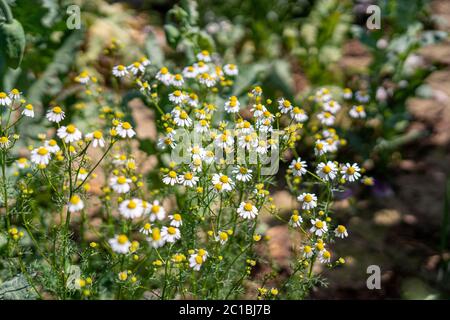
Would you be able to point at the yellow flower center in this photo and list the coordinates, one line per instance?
(75, 199)
(188, 176)
(183, 115)
(57, 110)
(171, 230)
(223, 236)
(126, 125)
(97, 135)
(122, 239)
(42, 151)
(326, 169)
(243, 170)
(298, 166)
(147, 226)
(177, 217)
(71, 129)
(132, 205)
(295, 218)
(121, 180)
(120, 67)
(341, 229)
(164, 70)
(224, 179)
(3, 95)
(319, 224)
(172, 174)
(198, 259)
(248, 207)
(359, 108)
(3, 139)
(155, 208)
(308, 198)
(29, 107)
(286, 103)
(307, 249)
(156, 234)
(351, 170)
(178, 77)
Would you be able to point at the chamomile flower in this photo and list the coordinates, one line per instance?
(321, 147)
(258, 110)
(155, 239)
(299, 115)
(28, 111)
(362, 97)
(170, 234)
(262, 147)
(69, 134)
(136, 68)
(157, 211)
(247, 210)
(202, 126)
(308, 200)
(15, 94)
(40, 156)
(131, 208)
(177, 80)
(190, 72)
(192, 100)
(347, 93)
(357, 112)
(230, 69)
(144, 87)
(83, 77)
(176, 220)
(243, 174)
(120, 184)
(4, 99)
(75, 204)
(171, 178)
(206, 80)
(4, 142)
(319, 227)
(22, 163)
(196, 260)
(196, 165)
(222, 237)
(97, 139)
(201, 67)
(188, 179)
(204, 56)
(327, 171)
(82, 174)
(248, 141)
(120, 71)
(285, 106)
(125, 130)
(56, 114)
(144, 61)
(165, 142)
(164, 76)
(224, 140)
(182, 119)
(308, 252)
(350, 172)
(341, 232)
(222, 182)
(332, 106)
(177, 97)
(146, 229)
(298, 167)
(295, 221)
(326, 118)
(120, 244)
(232, 105)
(325, 256)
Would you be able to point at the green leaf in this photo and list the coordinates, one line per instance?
(12, 43)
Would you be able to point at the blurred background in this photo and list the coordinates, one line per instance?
(400, 223)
